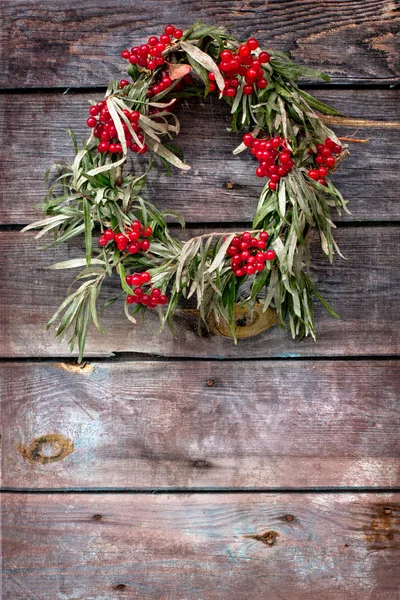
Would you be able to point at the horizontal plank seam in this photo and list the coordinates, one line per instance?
(129, 357)
(181, 490)
(5, 227)
(351, 85)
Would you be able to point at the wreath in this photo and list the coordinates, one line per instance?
(132, 128)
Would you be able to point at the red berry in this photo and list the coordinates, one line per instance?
(130, 299)
(145, 277)
(245, 255)
(264, 235)
(248, 140)
(136, 280)
(236, 241)
(252, 43)
(169, 29)
(250, 269)
(261, 244)
(230, 92)
(260, 256)
(133, 59)
(147, 231)
(156, 292)
(260, 172)
(108, 234)
(103, 241)
(94, 111)
(272, 186)
(178, 33)
(163, 299)
(134, 235)
(125, 54)
(330, 161)
(133, 247)
(246, 236)
(319, 159)
(321, 181)
(313, 173)
(123, 83)
(247, 90)
(262, 83)
(259, 266)
(153, 40)
(91, 122)
(264, 57)
(270, 254)
(136, 224)
(226, 55)
(102, 147)
(122, 241)
(144, 245)
(145, 300)
(323, 171)
(213, 86)
(165, 39)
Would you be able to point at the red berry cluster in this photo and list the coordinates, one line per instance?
(247, 253)
(274, 157)
(152, 299)
(242, 63)
(104, 129)
(324, 160)
(149, 56)
(133, 241)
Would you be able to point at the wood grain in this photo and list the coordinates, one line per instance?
(78, 44)
(364, 290)
(231, 425)
(192, 546)
(34, 128)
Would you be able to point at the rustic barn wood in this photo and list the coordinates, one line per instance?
(78, 43)
(220, 187)
(363, 289)
(152, 425)
(257, 465)
(169, 547)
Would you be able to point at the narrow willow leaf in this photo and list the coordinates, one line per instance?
(88, 230)
(83, 329)
(93, 309)
(220, 257)
(168, 155)
(282, 198)
(125, 286)
(74, 263)
(127, 314)
(205, 61)
(320, 106)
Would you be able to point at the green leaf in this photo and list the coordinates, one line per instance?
(74, 263)
(205, 61)
(320, 106)
(88, 230)
(93, 300)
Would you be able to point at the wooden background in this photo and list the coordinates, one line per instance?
(193, 469)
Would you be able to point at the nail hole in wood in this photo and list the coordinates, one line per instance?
(201, 464)
(98, 517)
(210, 382)
(120, 587)
(289, 518)
(229, 185)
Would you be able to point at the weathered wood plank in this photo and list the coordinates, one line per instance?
(364, 290)
(74, 43)
(152, 425)
(35, 137)
(165, 547)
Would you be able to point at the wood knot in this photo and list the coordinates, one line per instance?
(120, 587)
(98, 517)
(247, 323)
(47, 449)
(210, 382)
(289, 518)
(229, 185)
(268, 538)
